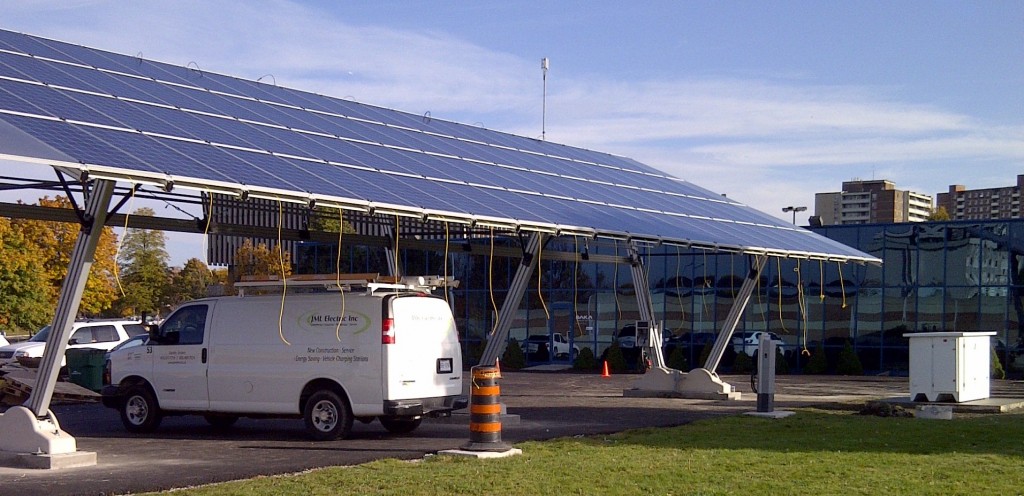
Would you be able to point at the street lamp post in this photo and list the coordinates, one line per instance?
(794, 210)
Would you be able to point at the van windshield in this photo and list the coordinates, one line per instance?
(41, 336)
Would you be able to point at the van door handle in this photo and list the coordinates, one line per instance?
(204, 355)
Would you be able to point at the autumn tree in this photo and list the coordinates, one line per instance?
(939, 214)
(144, 274)
(261, 261)
(53, 243)
(24, 290)
(190, 282)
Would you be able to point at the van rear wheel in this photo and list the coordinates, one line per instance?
(400, 425)
(327, 416)
(140, 412)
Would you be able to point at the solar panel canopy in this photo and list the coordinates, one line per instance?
(126, 118)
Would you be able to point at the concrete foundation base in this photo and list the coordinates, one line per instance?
(670, 383)
(482, 454)
(934, 412)
(42, 461)
(777, 414)
(32, 442)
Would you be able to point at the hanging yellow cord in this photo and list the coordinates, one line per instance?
(801, 302)
(821, 280)
(778, 265)
(117, 252)
(397, 255)
(284, 280)
(764, 308)
(615, 282)
(446, 240)
(575, 286)
(337, 274)
(540, 251)
(490, 282)
(679, 291)
(842, 285)
(209, 217)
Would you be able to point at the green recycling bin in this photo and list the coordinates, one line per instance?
(85, 367)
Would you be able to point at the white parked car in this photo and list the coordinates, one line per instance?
(558, 343)
(3, 339)
(99, 334)
(748, 342)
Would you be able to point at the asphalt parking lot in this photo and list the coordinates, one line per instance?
(185, 451)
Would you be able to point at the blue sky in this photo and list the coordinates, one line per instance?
(768, 102)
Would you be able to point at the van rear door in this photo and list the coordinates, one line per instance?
(423, 358)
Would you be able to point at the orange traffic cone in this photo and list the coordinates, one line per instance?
(604, 371)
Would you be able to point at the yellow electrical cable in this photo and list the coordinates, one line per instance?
(782, 321)
(206, 230)
(842, 285)
(284, 281)
(821, 280)
(447, 238)
(575, 286)
(540, 251)
(764, 308)
(615, 283)
(117, 252)
(397, 255)
(679, 291)
(337, 273)
(490, 283)
(801, 302)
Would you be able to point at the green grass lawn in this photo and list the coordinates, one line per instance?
(814, 452)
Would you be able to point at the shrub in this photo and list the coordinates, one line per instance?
(818, 364)
(781, 364)
(743, 364)
(996, 371)
(705, 352)
(677, 359)
(616, 361)
(513, 358)
(849, 362)
(585, 360)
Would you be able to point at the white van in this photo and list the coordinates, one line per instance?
(395, 357)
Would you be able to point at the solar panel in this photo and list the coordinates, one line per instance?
(132, 119)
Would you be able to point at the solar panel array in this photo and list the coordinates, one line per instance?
(131, 119)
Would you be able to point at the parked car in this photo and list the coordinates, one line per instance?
(101, 334)
(748, 342)
(3, 339)
(557, 346)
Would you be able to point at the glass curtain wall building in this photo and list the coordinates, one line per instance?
(939, 276)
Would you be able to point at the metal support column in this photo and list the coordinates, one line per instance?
(499, 336)
(702, 382)
(645, 304)
(735, 313)
(32, 428)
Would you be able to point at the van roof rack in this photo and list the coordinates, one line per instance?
(369, 281)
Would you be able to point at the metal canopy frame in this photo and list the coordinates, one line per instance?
(32, 136)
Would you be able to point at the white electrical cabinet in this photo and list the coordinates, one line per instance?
(948, 366)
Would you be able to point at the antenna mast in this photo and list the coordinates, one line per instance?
(544, 100)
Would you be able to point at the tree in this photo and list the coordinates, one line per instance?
(144, 273)
(261, 261)
(53, 243)
(190, 282)
(25, 305)
(939, 214)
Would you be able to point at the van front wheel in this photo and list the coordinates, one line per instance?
(327, 416)
(140, 412)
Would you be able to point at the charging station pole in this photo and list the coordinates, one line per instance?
(765, 374)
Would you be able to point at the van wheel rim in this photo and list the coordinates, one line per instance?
(137, 410)
(325, 416)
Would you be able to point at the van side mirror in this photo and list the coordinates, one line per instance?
(154, 331)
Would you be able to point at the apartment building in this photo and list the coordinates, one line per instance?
(982, 204)
(871, 202)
